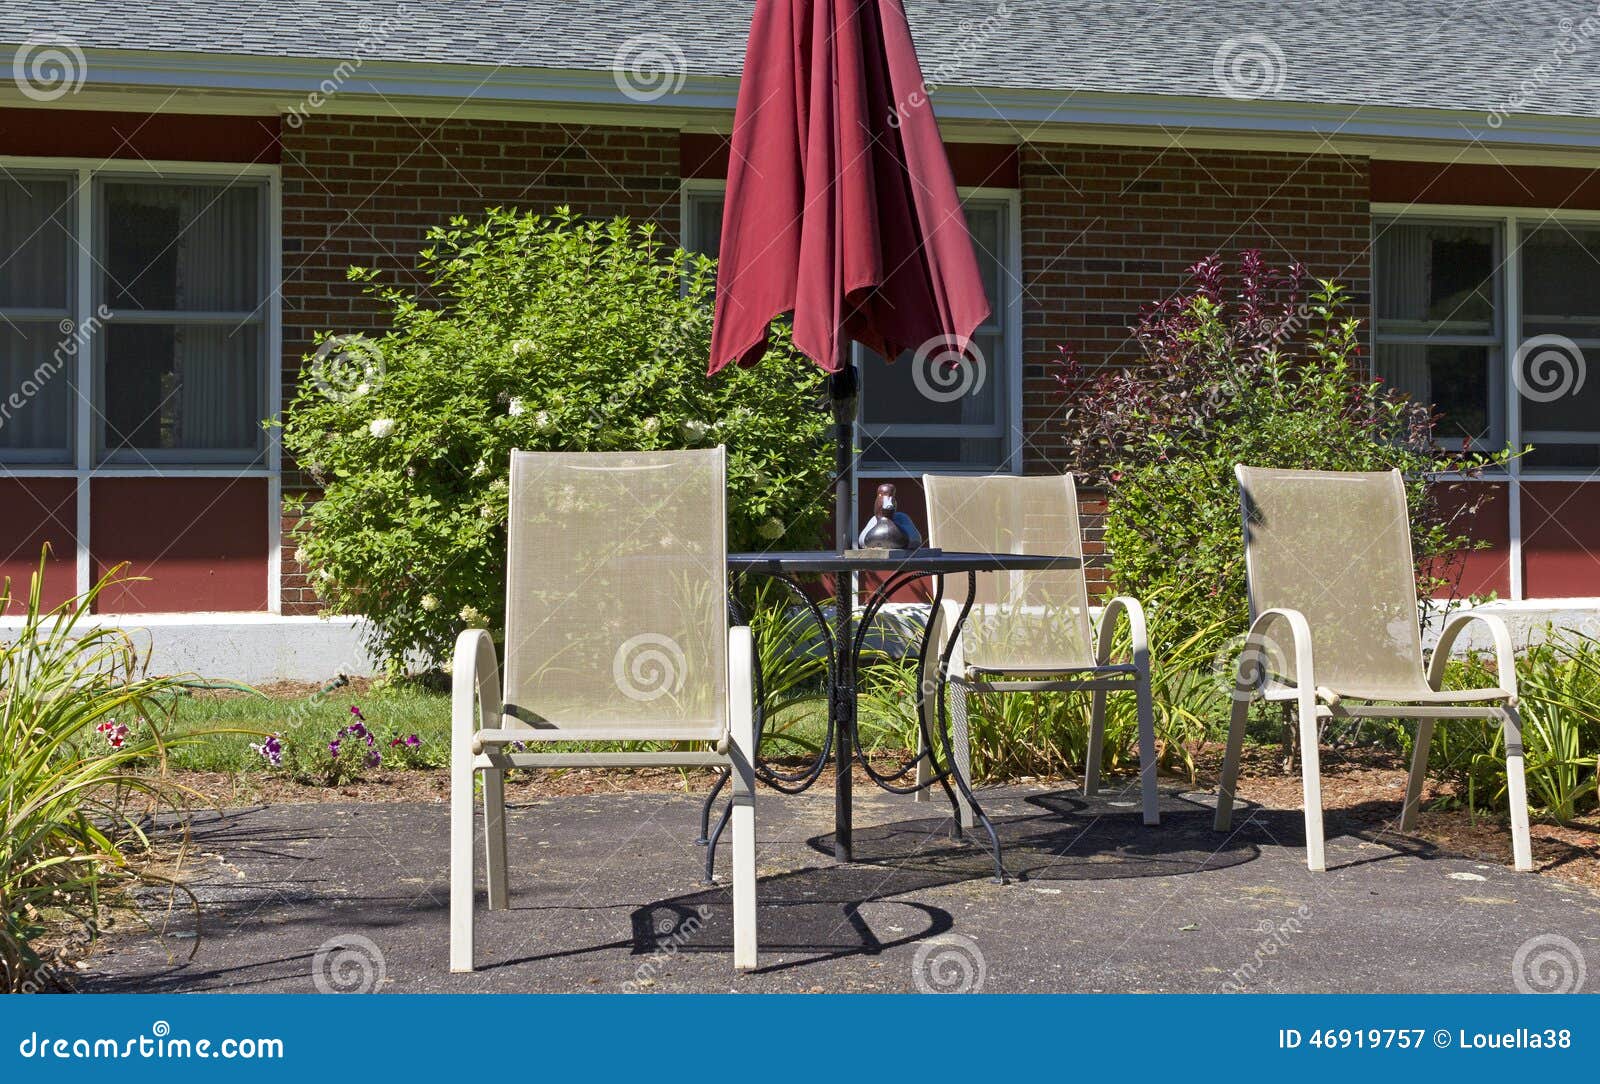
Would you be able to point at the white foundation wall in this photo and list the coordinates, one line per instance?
(257, 649)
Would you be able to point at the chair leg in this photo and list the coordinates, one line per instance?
(1150, 796)
(461, 852)
(494, 837)
(924, 767)
(1517, 791)
(742, 731)
(1311, 785)
(961, 753)
(1419, 771)
(1097, 742)
(1230, 760)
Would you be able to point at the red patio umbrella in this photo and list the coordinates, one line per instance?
(841, 207)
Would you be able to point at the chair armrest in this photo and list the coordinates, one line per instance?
(741, 691)
(474, 683)
(1300, 637)
(1505, 656)
(942, 621)
(1137, 630)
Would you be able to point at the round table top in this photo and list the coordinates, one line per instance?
(943, 561)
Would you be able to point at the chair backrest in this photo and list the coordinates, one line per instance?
(1023, 621)
(616, 594)
(1337, 547)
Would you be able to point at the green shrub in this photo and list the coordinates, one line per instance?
(1559, 684)
(533, 333)
(1247, 372)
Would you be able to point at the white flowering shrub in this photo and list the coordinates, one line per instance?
(533, 333)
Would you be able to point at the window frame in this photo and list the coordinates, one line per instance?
(178, 458)
(1007, 322)
(13, 458)
(83, 464)
(1510, 222)
(1494, 340)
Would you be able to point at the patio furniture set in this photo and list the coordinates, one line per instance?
(618, 630)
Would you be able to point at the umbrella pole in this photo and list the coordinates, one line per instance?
(842, 386)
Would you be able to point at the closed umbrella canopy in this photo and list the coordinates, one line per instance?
(841, 207)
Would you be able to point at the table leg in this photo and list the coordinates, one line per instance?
(843, 705)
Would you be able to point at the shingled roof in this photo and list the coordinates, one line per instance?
(1473, 55)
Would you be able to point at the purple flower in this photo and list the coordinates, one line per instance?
(271, 749)
(374, 758)
(333, 747)
(412, 741)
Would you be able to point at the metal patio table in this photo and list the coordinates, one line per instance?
(845, 640)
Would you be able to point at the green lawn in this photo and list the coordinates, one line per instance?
(390, 710)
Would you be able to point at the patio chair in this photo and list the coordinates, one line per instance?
(1334, 627)
(1028, 632)
(616, 631)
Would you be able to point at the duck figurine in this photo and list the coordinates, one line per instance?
(889, 528)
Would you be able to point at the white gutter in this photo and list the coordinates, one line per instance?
(279, 83)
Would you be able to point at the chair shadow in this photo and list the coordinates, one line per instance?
(829, 911)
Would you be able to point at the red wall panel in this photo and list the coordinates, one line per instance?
(89, 133)
(1485, 185)
(202, 542)
(38, 511)
(1484, 571)
(1561, 539)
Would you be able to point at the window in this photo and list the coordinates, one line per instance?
(921, 414)
(1448, 333)
(1560, 340)
(1437, 316)
(36, 315)
(175, 323)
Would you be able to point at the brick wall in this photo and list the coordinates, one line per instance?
(364, 191)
